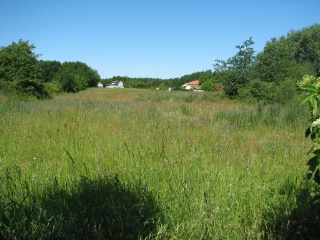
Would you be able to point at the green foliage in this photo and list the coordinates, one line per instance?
(53, 87)
(307, 80)
(209, 86)
(18, 62)
(232, 83)
(307, 43)
(237, 68)
(164, 85)
(286, 91)
(207, 81)
(287, 59)
(49, 69)
(76, 76)
(240, 62)
(259, 90)
(313, 131)
(20, 72)
(283, 62)
(8, 88)
(278, 62)
(70, 82)
(34, 88)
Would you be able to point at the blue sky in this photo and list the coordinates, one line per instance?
(149, 38)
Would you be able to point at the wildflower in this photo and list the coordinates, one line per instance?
(316, 123)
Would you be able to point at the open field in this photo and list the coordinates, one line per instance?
(130, 164)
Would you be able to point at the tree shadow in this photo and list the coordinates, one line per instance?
(298, 218)
(103, 208)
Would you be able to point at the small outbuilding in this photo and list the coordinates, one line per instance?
(100, 85)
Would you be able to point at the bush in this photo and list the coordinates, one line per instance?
(34, 88)
(258, 90)
(286, 91)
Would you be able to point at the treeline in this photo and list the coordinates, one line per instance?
(270, 75)
(23, 75)
(152, 83)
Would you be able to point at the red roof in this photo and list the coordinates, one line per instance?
(194, 82)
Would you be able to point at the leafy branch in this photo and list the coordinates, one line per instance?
(312, 96)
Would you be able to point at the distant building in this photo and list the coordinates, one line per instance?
(115, 84)
(100, 85)
(192, 85)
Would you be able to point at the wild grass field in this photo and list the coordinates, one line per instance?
(143, 164)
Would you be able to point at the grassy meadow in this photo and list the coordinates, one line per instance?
(143, 164)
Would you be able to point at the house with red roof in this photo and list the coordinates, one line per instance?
(191, 85)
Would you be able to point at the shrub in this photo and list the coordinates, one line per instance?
(34, 88)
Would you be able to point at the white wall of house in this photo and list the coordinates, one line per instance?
(115, 85)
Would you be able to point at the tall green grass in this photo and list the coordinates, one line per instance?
(105, 165)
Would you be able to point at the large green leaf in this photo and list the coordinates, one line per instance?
(314, 105)
(313, 136)
(307, 97)
(310, 88)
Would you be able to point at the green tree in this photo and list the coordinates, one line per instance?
(207, 81)
(285, 60)
(307, 41)
(18, 62)
(76, 76)
(236, 69)
(19, 71)
(277, 62)
(290, 57)
(49, 69)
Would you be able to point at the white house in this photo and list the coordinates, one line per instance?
(100, 85)
(115, 84)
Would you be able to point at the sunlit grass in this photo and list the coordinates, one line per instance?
(215, 167)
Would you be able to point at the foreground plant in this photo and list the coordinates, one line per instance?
(311, 86)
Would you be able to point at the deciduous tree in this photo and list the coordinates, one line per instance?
(236, 69)
(76, 76)
(19, 70)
